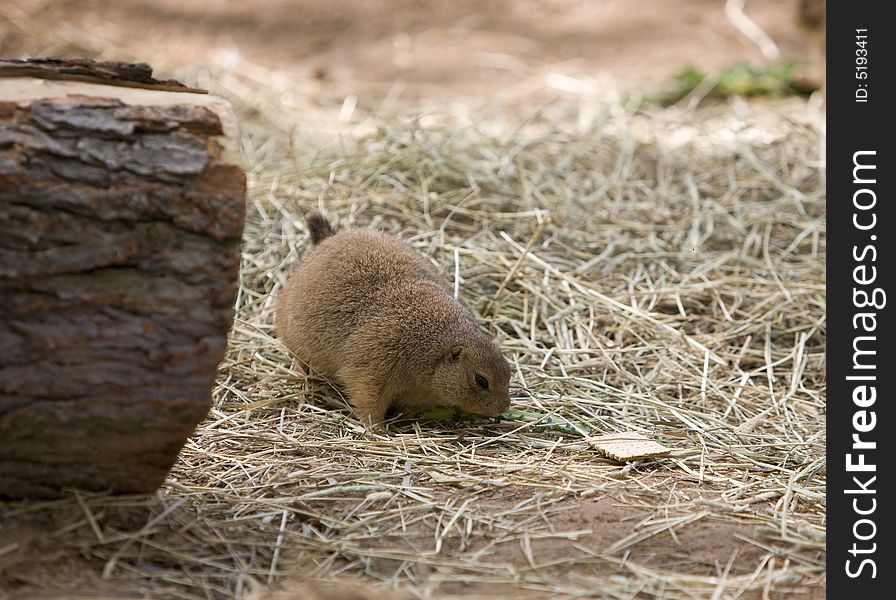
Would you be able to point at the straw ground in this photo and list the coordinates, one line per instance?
(651, 270)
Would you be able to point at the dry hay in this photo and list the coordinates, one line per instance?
(656, 271)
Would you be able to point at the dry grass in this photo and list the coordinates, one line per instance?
(659, 271)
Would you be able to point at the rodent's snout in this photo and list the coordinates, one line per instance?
(503, 405)
(494, 406)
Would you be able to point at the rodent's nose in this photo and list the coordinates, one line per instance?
(505, 404)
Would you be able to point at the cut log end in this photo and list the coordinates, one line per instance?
(121, 212)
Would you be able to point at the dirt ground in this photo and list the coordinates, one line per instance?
(336, 54)
(428, 48)
(560, 545)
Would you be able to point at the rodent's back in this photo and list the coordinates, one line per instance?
(349, 278)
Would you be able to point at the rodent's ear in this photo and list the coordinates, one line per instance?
(454, 354)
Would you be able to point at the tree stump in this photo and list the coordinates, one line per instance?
(121, 210)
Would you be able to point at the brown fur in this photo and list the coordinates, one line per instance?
(369, 312)
(319, 228)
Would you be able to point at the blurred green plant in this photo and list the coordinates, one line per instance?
(539, 421)
(742, 79)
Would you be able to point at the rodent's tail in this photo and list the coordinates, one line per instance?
(319, 227)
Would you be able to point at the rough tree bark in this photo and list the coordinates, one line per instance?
(121, 211)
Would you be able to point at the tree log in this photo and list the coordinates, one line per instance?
(121, 212)
(74, 69)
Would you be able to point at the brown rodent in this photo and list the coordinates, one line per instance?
(368, 311)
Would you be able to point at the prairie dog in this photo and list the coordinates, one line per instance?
(368, 311)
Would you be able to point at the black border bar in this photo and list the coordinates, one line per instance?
(861, 263)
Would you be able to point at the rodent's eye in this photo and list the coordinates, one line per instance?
(481, 381)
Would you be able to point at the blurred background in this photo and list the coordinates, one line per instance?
(358, 57)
